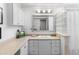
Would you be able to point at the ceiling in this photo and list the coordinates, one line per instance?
(56, 7)
(53, 5)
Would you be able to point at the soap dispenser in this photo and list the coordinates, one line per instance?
(18, 34)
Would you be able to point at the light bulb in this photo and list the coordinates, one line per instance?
(44, 11)
(49, 11)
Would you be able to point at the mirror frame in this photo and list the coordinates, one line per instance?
(1, 15)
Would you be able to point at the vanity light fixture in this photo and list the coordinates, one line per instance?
(38, 11)
(49, 11)
(43, 11)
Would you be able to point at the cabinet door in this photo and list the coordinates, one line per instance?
(18, 15)
(30, 47)
(33, 47)
(56, 47)
(44, 47)
(24, 49)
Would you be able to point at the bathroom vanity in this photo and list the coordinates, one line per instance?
(44, 46)
(32, 45)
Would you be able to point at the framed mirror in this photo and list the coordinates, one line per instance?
(1, 15)
(0, 32)
(43, 23)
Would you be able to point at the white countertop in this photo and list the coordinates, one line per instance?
(10, 47)
(44, 37)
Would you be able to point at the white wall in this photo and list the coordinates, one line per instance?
(7, 31)
(28, 19)
(28, 10)
(61, 23)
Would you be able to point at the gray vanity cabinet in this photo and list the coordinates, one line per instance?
(44, 47)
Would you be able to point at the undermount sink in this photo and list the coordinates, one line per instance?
(43, 36)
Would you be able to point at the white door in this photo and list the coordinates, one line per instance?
(44, 47)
